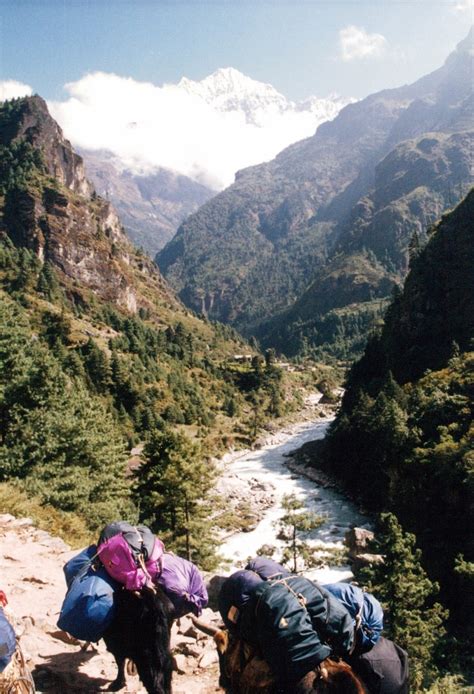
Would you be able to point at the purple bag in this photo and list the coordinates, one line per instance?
(183, 584)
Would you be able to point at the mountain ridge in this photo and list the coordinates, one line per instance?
(292, 211)
(403, 438)
(151, 206)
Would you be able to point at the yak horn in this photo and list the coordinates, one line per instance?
(208, 629)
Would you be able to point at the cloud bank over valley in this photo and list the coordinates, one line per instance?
(206, 130)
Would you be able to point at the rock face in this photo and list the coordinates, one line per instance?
(31, 122)
(152, 206)
(335, 212)
(357, 540)
(58, 215)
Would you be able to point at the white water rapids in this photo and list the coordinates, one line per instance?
(267, 465)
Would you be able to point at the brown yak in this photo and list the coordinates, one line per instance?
(243, 671)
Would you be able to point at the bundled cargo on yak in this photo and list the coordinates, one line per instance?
(296, 624)
(182, 582)
(365, 610)
(234, 595)
(267, 568)
(7, 641)
(88, 607)
(131, 555)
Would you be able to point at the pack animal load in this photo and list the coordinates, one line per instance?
(125, 557)
(295, 622)
(7, 641)
(183, 584)
(365, 610)
(15, 677)
(88, 607)
(130, 555)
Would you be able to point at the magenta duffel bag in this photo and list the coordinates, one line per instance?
(131, 555)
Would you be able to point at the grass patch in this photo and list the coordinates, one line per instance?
(68, 526)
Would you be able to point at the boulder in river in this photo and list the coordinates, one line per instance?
(357, 541)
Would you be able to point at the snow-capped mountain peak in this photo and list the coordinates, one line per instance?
(226, 82)
(229, 90)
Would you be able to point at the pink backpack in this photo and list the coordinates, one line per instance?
(131, 555)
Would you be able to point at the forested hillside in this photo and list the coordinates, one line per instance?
(403, 440)
(328, 223)
(96, 352)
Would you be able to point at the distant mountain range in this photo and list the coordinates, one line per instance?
(302, 250)
(152, 206)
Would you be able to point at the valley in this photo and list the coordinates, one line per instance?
(244, 318)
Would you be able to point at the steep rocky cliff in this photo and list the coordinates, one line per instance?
(49, 207)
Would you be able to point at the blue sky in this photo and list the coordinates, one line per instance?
(296, 46)
(107, 69)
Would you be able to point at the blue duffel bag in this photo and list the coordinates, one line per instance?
(7, 641)
(88, 608)
(365, 610)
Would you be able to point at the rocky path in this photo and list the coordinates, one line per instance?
(31, 575)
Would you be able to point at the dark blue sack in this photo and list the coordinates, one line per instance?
(80, 562)
(365, 610)
(235, 593)
(267, 568)
(7, 641)
(88, 608)
(277, 620)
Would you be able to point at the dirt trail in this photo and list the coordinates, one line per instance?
(31, 575)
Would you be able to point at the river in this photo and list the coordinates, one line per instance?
(267, 465)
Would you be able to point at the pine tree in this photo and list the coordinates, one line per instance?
(412, 619)
(172, 490)
(97, 365)
(294, 521)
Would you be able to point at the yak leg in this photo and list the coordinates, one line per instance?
(119, 682)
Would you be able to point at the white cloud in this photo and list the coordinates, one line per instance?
(355, 43)
(11, 89)
(147, 126)
(464, 6)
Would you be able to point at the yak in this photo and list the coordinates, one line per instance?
(140, 632)
(244, 671)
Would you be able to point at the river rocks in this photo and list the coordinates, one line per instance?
(246, 500)
(357, 540)
(366, 560)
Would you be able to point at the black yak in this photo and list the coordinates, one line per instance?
(140, 631)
